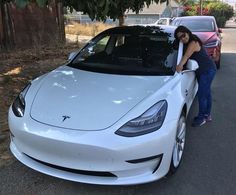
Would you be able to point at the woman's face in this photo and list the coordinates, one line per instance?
(183, 37)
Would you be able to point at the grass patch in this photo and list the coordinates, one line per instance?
(17, 68)
(86, 29)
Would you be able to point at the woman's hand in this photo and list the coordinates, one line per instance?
(179, 68)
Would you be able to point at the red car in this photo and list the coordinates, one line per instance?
(206, 29)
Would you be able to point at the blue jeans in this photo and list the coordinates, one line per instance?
(204, 92)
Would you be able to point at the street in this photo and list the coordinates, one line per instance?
(208, 165)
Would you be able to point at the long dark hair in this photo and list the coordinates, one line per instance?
(192, 37)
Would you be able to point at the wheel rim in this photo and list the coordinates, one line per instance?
(179, 142)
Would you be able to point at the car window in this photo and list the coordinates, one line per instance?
(198, 25)
(93, 48)
(128, 53)
(175, 22)
(101, 45)
(162, 21)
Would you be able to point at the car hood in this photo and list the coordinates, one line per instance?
(205, 36)
(83, 100)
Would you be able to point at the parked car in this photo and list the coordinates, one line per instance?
(160, 22)
(206, 29)
(114, 114)
(164, 21)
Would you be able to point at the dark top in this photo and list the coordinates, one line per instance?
(204, 61)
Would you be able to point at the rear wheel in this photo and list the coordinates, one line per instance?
(178, 145)
(218, 62)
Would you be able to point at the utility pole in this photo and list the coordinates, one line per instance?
(201, 7)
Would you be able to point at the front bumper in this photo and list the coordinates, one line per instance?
(97, 157)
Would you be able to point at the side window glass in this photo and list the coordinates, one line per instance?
(127, 46)
(171, 59)
(162, 21)
(175, 22)
(92, 49)
(120, 40)
(101, 45)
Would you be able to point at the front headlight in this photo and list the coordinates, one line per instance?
(211, 44)
(149, 121)
(18, 106)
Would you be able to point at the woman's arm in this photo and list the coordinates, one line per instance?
(192, 47)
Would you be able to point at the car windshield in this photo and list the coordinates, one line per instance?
(136, 51)
(198, 25)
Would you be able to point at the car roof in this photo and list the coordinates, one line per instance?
(165, 18)
(139, 29)
(195, 17)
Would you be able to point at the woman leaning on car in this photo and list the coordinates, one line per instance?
(193, 49)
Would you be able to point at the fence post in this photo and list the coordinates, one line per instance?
(1, 29)
(8, 28)
(6, 31)
(61, 25)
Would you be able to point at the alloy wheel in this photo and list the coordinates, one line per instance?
(179, 142)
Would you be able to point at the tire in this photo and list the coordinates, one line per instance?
(218, 62)
(179, 144)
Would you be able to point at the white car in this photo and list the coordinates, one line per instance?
(163, 21)
(115, 114)
(160, 22)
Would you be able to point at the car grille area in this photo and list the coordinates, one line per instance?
(130, 171)
(76, 171)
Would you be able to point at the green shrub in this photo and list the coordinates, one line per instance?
(221, 11)
(221, 21)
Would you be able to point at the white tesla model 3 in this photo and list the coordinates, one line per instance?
(115, 114)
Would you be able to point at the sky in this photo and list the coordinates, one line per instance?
(230, 1)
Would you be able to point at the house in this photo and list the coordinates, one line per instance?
(152, 13)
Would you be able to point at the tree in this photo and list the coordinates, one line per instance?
(43, 24)
(195, 10)
(4, 22)
(185, 2)
(221, 11)
(102, 9)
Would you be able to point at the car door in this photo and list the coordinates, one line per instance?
(188, 80)
(188, 84)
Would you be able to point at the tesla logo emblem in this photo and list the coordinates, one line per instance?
(65, 117)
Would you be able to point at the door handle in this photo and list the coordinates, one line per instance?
(186, 92)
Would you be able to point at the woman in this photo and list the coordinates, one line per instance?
(193, 49)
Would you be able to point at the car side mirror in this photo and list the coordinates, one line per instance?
(220, 30)
(192, 65)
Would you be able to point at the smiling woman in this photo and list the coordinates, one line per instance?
(118, 94)
(206, 29)
(205, 74)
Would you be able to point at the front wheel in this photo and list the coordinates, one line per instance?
(218, 60)
(179, 144)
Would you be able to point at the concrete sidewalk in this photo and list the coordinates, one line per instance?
(231, 23)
